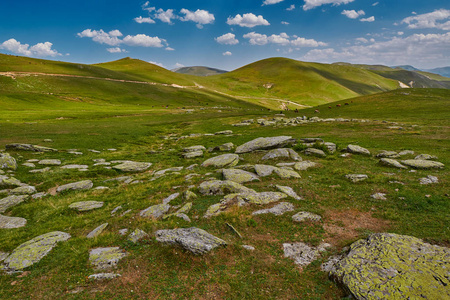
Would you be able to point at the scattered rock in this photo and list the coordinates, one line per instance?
(103, 276)
(76, 186)
(219, 187)
(11, 201)
(304, 216)
(423, 164)
(11, 222)
(163, 172)
(9, 181)
(425, 157)
(86, 205)
(170, 198)
(304, 165)
(136, 235)
(133, 166)
(224, 147)
(391, 266)
(28, 147)
(264, 170)
(23, 190)
(192, 239)
(406, 152)
(430, 179)
(277, 210)
(34, 250)
(195, 154)
(189, 196)
(302, 254)
(288, 191)
(388, 154)
(287, 153)
(29, 165)
(44, 170)
(155, 211)
(248, 247)
(75, 167)
(222, 161)
(315, 152)
(225, 132)
(50, 162)
(392, 163)
(7, 162)
(265, 144)
(356, 177)
(239, 176)
(379, 196)
(39, 195)
(97, 231)
(286, 174)
(194, 148)
(357, 150)
(106, 258)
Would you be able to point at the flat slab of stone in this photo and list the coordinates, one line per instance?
(106, 258)
(391, 266)
(34, 250)
(288, 191)
(286, 153)
(192, 154)
(305, 216)
(7, 162)
(23, 190)
(50, 162)
(155, 211)
(265, 143)
(86, 205)
(425, 157)
(239, 176)
(357, 150)
(356, 177)
(423, 164)
(286, 173)
(103, 276)
(222, 161)
(315, 152)
(255, 198)
(133, 166)
(170, 198)
(76, 186)
(388, 154)
(11, 201)
(219, 187)
(392, 163)
(304, 165)
(303, 254)
(11, 222)
(264, 170)
(69, 167)
(277, 210)
(193, 239)
(9, 181)
(29, 147)
(194, 148)
(97, 231)
(137, 235)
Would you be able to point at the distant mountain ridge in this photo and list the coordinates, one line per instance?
(199, 71)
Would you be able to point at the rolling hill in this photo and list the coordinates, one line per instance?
(199, 71)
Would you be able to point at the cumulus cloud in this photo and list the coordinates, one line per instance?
(375, 4)
(248, 20)
(302, 42)
(281, 39)
(112, 38)
(141, 20)
(256, 38)
(429, 20)
(353, 14)
(201, 17)
(169, 49)
(142, 40)
(158, 64)
(423, 49)
(284, 23)
(227, 39)
(310, 4)
(165, 16)
(292, 7)
(370, 19)
(269, 2)
(228, 53)
(116, 50)
(40, 49)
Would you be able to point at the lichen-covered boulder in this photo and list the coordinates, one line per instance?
(264, 170)
(170, 198)
(304, 216)
(257, 198)
(86, 205)
(50, 162)
(304, 165)
(29, 147)
(189, 195)
(277, 210)
(106, 258)
(388, 154)
(288, 191)
(79, 167)
(11, 222)
(224, 147)
(423, 164)
(194, 148)
(356, 177)
(97, 231)
(192, 154)
(23, 190)
(222, 161)
(425, 157)
(34, 250)
(315, 152)
(303, 254)
(239, 176)
(9, 181)
(137, 235)
(133, 166)
(265, 144)
(357, 150)
(392, 163)
(103, 276)
(286, 153)
(76, 186)
(391, 266)
(11, 201)
(155, 211)
(219, 187)
(7, 161)
(193, 239)
(214, 210)
(286, 173)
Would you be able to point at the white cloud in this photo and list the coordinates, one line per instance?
(353, 14)
(370, 19)
(116, 50)
(421, 49)
(169, 49)
(157, 63)
(269, 2)
(302, 42)
(281, 39)
(141, 20)
(248, 20)
(310, 4)
(400, 33)
(178, 65)
(40, 49)
(228, 53)
(142, 40)
(375, 4)
(102, 37)
(362, 40)
(201, 17)
(146, 7)
(284, 23)
(256, 38)
(292, 7)
(429, 20)
(165, 16)
(227, 39)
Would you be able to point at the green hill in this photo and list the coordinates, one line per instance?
(199, 71)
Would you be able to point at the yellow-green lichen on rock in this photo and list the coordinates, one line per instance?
(391, 266)
(222, 161)
(106, 258)
(7, 161)
(239, 176)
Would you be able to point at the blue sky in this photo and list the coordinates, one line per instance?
(228, 34)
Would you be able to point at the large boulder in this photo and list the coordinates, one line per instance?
(155, 211)
(304, 165)
(11, 201)
(286, 153)
(423, 164)
(219, 187)
(391, 266)
(265, 143)
(7, 161)
(239, 176)
(34, 250)
(11, 222)
(222, 161)
(357, 150)
(29, 147)
(133, 166)
(392, 163)
(75, 186)
(192, 239)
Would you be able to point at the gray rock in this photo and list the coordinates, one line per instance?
(7, 162)
(106, 258)
(76, 186)
(286, 173)
(33, 250)
(423, 164)
(86, 205)
(3, 256)
(265, 144)
(189, 196)
(222, 161)
(185, 209)
(11, 222)
(357, 150)
(137, 235)
(288, 191)
(155, 211)
(356, 177)
(215, 210)
(29, 165)
(315, 152)
(9, 181)
(239, 176)
(103, 276)
(391, 266)
(225, 132)
(44, 170)
(11, 201)
(170, 198)
(50, 162)
(379, 196)
(113, 212)
(163, 172)
(133, 166)
(123, 231)
(392, 163)
(192, 239)
(277, 210)
(264, 170)
(194, 154)
(388, 154)
(331, 147)
(406, 152)
(311, 140)
(218, 187)
(287, 153)
(97, 231)
(248, 247)
(178, 215)
(194, 148)
(430, 179)
(425, 157)
(302, 254)
(75, 167)
(304, 216)
(304, 165)
(39, 195)
(28, 147)
(23, 190)
(224, 147)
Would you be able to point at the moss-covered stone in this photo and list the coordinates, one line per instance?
(286, 153)
(239, 176)
(392, 163)
(222, 161)
(357, 150)
(11, 201)
(155, 211)
(219, 187)
(304, 216)
(265, 143)
(137, 235)
(86, 205)
(423, 164)
(23, 190)
(75, 186)
(132, 166)
(50, 162)
(97, 231)
(7, 162)
(277, 210)
(11, 222)
(106, 258)
(9, 181)
(286, 173)
(288, 191)
(29, 147)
